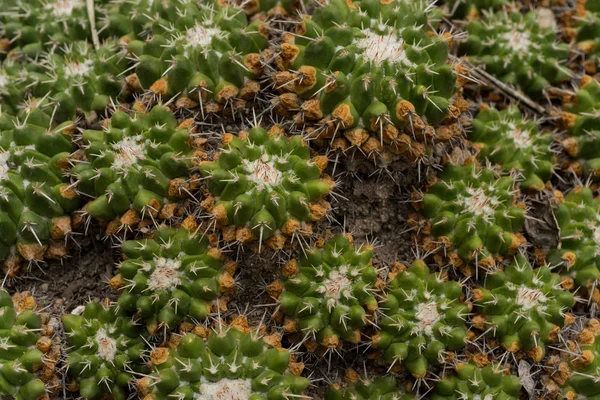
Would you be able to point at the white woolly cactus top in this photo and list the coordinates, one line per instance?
(383, 47)
(166, 274)
(337, 286)
(519, 40)
(225, 389)
(479, 201)
(521, 136)
(201, 35)
(63, 8)
(263, 171)
(129, 152)
(75, 69)
(107, 345)
(427, 316)
(4, 167)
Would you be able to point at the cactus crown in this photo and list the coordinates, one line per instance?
(383, 388)
(422, 317)
(228, 362)
(170, 277)
(506, 138)
(517, 49)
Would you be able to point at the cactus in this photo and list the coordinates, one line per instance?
(205, 53)
(105, 351)
(518, 50)
(475, 212)
(139, 165)
(365, 67)
(507, 139)
(382, 388)
(21, 351)
(266, 186)
(470, 9)
(328, 294)
(227, 362)
(522, 307)
(174, 275)
(578, 220)
(582, 118)
(35, 199)
(422, 319)
(472, 382)
(587, 31)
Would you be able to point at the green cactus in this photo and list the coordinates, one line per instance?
(171, 277)
(383, 388)
(34, 194)
(370, 65)
(578, 220)
(19, 355)
(587, 28)
(105, 351)
(584, 364)
(266, 184)
(422, 318)
(471, 8)
(582, 118)
(141, 162)
(518, 50)
(476, 211)
(471, 382)
(205, 52)
(523, 307)
(507, 139)
(329, 292)
(229, 363)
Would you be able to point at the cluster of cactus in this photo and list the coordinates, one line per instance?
(226, 362)
(205, 53)
(365, 68)
(472, 382)
(139, 165)
(578, 218)
(524, 308)
(265, 186)
(515, 143)
(21, 351)
(517, 49)
(174, 275)
(423, 319)
(328, 295)
(105, 351)
(382, 388)
(35, 199)
(582, 118)
(474, 213)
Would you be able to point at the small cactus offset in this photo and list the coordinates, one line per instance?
(171, 277)
(228, 362)
(383, 388)
(206, 54)
(578, 218)
(264, 186)
(35, 199)
(524, 308)
(21, 351)
(105, 351)
(517, 49)
(472, 382)
(582, 118)
(474, 213)
(507, 139)
(369, 68)
(327, 295)
(422, 319)
(138, 166)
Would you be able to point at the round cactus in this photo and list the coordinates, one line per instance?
(475, 210)
(328, 294)
(507, 139)
(582, 118)
(471, 8)
(174, 275)
(523, 307)
(587, 30)
(139, 165)
(518, 50)
(383, 388)
(472, 382)
(207, 53)
(266, 186)
(369, 67)
(422, 317)
(20, 351)
(35, 199)
(104, 352)
(578, 218)
(228, 363)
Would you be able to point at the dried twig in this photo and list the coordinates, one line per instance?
(91, 12)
